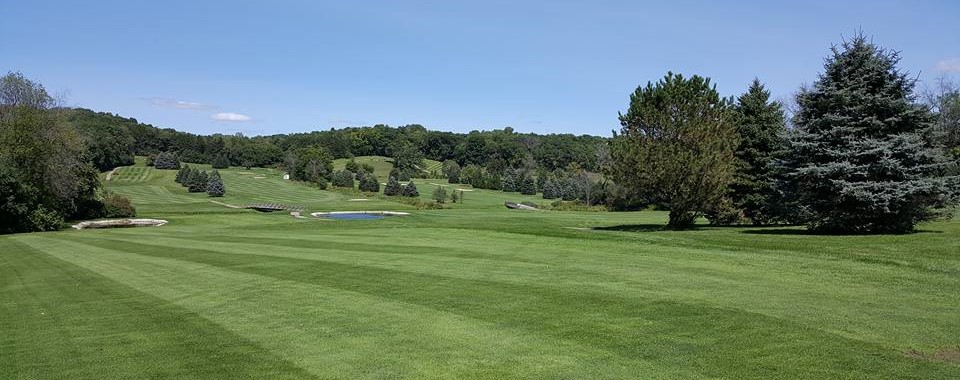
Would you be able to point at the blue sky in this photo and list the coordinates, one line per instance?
(262, 67)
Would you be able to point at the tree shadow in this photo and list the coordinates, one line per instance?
(642, 228)
(802, 231)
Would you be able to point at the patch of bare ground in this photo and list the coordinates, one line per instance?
(946, 354)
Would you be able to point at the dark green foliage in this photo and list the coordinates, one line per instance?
(343, 178)
(220, 162)
(215, 187)
(451, 170)
(440, 194)
(676, 146)
(407, 161)
(197, 183)
(167, 161)
(352, 166)
(527, 185)
(109, 143)
(311, 164)
(724, 213)
(508, 182)
(410, 190)
(550, 189)
(392, 188)
(183, 174)
(118, 206)
(455, 196)
(366, 168)
(859, 161)
(45, 176)
(760, 125)
(369, 183)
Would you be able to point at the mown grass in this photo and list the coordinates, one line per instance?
(475, 291)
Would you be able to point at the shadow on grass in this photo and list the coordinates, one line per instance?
(803, 231)
(641, 228)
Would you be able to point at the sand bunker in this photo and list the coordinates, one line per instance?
(120, 223)
(382, 213)
(358, 200)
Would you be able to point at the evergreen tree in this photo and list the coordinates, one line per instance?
(392, 188)
(410, 190)
(440, 194)
(215, 187)
(508, 182)
(859, 161)
(187, 176)
(369, 183)
(761, 126)
(352, 166)
(527, 185)
(676, 146)
(182, 174)
(167, 160)
(550, 188)
(197, 182)
(454, 196)
(343, 178)
(220, 161)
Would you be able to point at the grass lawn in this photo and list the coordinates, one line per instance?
(474, 291)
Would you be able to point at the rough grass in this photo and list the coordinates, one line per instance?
(476, 291)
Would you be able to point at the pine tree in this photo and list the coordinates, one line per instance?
(220, 162)
(676, 147)
(858, 158)
(392, 188)
(410, 190)
(440, 194)
(527, 185)
(343, 178)
(215, 187)
(197, 182)
(182, 174)
(761, 126)
(369, 183)
(550, 188)
(508, 182)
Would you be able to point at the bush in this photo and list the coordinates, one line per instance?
(118, 206)
(527, 185)
(724, 213)
(43, 219)
(392, 188)
(343, 178)
(410, 190)
(352, 166)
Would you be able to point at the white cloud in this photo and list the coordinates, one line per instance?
(230, 116)
(181, 104)
(949, 65)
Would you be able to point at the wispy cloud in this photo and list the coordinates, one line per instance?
(951, 65)
(230, 116)
(181, 104)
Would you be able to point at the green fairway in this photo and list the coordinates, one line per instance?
(472, 291)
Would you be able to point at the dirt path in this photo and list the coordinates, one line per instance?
(224, 204)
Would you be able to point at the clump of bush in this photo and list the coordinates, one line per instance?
(410, 190)
(118, 206)
(343, 178)
(167, 160)
(369, 182)
(392, 188)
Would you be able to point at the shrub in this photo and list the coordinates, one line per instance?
(197, 182)
(352, 166)
(410, 190)
(343, 178)
(724, 213)
(118, 206)
(43, 219)
(440, 194)
(527, 185)
(392, 188)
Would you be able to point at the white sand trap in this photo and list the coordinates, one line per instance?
(246, 173)
(464, 189)
(115, 223)
(384, 213)
(259, 177)
(224, 204)
(358, 200)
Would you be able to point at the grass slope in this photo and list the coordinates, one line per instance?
(478, 291)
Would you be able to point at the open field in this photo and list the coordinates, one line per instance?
(474, 291)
